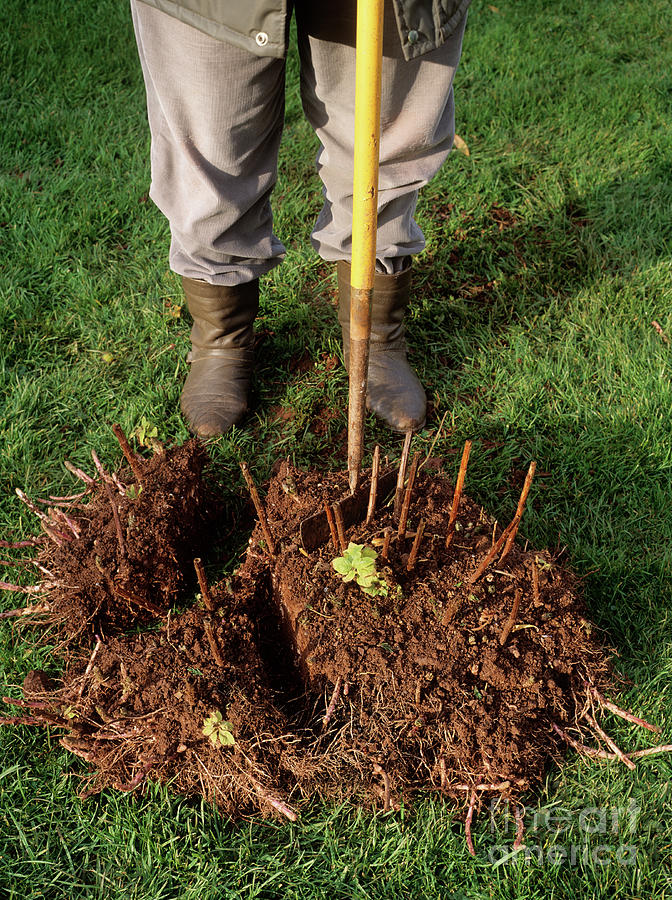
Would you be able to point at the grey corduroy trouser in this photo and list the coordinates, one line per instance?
(216, 117)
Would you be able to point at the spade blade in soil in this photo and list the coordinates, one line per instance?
(315, 529)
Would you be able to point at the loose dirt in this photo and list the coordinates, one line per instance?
(284, 681)
(431, 690)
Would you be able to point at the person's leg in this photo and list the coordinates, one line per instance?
(216, 115)
(417, 126)
(417, 130)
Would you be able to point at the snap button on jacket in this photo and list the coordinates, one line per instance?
(423, 25)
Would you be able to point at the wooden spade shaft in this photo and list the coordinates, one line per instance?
(369, 54)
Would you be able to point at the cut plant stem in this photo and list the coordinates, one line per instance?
(110, 479)
(99, 467)
(212, 641)
(511, 621)
(535, 583)
(436, 437)
(68, 499)
(117, 520)
(28, 704)
(401, 476)
(203, 584)
(332, 526)
(25, 610)
(137, 780)
(489, 557)
(457, 496)
(22, 589)
(19, 545)
(378, 770)
(601, 733)
(131, 457)
(373, 490)
(62, 518)
(385, 552)
(281, 807)
(87, 671)
(650, 751)
(147, 605)
(520, 826)
(78, 473)
(71, 747)
(58, 537)
(604, 754)
(468, 820)
(259, 506)
(622, 713)
(340, 526)
(31, 506)
(520, 510)
(332, 703)
(405, 506)
(495, 786)
(415, 549)
(582, 748)
(275, 802)
(26, 720)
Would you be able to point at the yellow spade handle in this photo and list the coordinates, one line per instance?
(369, 58)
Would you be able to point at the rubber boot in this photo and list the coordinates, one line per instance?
(215, 394)
(394, 392)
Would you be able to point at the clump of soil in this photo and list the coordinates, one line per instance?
(120, 553)
(437, 684)
(137, 707)
(285, 681)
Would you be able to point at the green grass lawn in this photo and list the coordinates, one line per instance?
(548, 257)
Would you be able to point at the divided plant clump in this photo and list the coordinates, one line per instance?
(367, 648)
(114, 555)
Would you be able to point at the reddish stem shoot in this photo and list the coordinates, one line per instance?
(332, 526)
(403, 515)
(203, 584)
(520, 510)
(401, 477)
(457, 496)
(373, 490)
(259, 507)
(131, 457)
(510, 622)
(340, 526)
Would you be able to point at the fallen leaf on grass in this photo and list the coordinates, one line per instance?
(660, 331)
(461, 145)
